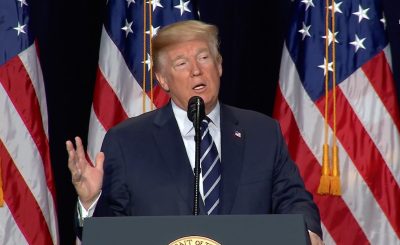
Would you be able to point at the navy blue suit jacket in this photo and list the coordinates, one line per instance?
(147, 170)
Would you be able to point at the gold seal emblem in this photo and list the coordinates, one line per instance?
(194, 240)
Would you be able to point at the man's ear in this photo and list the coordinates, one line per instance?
(162, 81)
(219, 61)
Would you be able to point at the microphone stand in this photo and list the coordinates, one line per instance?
(197, 169)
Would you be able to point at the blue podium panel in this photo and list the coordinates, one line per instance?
(197, 230)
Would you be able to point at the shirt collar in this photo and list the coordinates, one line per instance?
(186, 126)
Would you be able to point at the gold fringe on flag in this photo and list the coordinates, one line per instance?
(335, 181)
(151, 54)
(330, 179)
(145, 53)
(325, 181)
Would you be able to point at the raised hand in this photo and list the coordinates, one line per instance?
(87, 180)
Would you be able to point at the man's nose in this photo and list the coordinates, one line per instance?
(195, 69)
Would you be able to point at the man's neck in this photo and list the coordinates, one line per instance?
(183, 122)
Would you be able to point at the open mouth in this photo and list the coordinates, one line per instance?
(198, 87)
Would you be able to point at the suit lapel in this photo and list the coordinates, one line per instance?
(169, 142)
(232, 147)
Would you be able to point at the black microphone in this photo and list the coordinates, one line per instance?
(196, 113)
(196, 105)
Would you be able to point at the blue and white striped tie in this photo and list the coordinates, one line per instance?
(211, 169)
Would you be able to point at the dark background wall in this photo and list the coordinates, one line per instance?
(68, 34)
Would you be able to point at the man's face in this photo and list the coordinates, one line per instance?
(190, 69)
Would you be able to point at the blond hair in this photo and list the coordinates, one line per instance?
(181, 32)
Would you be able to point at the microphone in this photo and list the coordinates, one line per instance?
(196, 105)
(196, 113)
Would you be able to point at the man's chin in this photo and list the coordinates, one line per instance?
(210, 105)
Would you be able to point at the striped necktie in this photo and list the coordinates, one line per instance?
(211, 169)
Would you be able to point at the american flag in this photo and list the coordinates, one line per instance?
(238, 134)
(124, 85)
(28, 213)
(367, 115)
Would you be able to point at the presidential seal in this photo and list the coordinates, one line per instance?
(194, 240)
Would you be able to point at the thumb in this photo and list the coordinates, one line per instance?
(99, 160)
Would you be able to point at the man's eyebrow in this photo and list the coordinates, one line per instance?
(181, 56)
(199, 51)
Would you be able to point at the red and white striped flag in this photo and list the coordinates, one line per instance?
(367, 116)
(124, 85)
(28, 210)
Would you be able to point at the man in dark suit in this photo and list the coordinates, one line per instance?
(148, 160)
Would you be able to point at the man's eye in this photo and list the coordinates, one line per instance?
(204, 57)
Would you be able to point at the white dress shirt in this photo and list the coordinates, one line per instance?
(187, 133)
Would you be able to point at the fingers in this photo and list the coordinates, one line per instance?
(80, 157)
(79, 148)
(70, 147)
(100, 160)
(72, 163)
(71, 156)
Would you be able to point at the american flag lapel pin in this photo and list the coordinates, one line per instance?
(238, 134)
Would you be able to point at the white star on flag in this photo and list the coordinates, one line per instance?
(330, 66)
(330, 37)
(20, 28)
(337, 7)
(183, 6)
(155, 4)
(153, 31)
(358, 43)
(308, 3)
(147, 62)
(130, 1)
(362, 14)
(23, 2)
(383, 20)
(304, 31)
(127, 28)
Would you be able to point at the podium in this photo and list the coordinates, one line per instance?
(197, 230)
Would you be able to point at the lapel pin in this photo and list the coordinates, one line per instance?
(238, 134)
